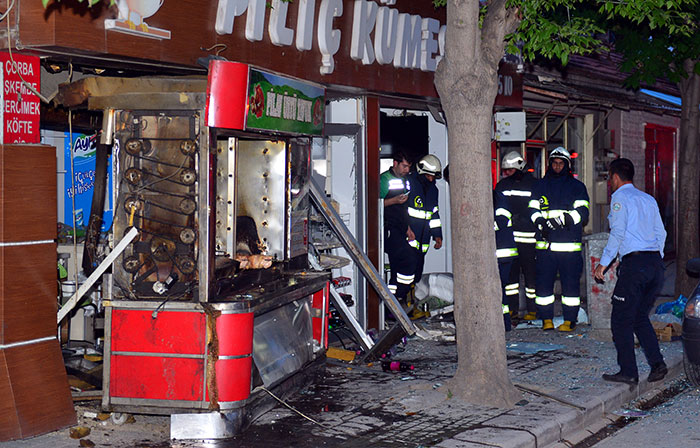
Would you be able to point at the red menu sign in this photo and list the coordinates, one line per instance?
(19, 114)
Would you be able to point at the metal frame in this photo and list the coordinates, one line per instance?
(354, 131)
(360, 257)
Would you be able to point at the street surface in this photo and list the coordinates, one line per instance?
(672, 424)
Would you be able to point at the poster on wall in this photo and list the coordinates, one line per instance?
(84, 158)
(19, 113)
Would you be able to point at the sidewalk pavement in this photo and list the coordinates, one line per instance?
(564, 400)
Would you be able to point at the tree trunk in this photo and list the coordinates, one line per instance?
(466, 81)
(688, 179)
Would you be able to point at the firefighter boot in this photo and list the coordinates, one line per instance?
(507, 321)
(531, 315)
(567, 326)
(547, 324)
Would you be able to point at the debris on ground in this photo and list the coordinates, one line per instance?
(341, 354)
(78, 432)
(532, 347)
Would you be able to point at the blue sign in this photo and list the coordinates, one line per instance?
(84, 158)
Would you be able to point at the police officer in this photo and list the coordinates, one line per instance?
(423, 211)
(559, 207)
(517, 188)
(394, 189)
(637, 236)
(506, 250)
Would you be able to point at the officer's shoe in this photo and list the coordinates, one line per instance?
(547, 324)
(567, 326)
(658, 372)
(530, 316)
(620, 378)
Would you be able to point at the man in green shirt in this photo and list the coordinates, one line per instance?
(394, 189)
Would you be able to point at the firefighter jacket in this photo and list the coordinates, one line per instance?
(423, 212)
(518, 191)
(395, 216)
(564, 197)
(503, 225)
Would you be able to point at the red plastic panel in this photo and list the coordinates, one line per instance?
(227, 95)
(156, 378)
(233, 378)
(171, 332)
(318, 324)
(235, 333)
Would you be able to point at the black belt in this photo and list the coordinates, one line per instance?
(642, 252)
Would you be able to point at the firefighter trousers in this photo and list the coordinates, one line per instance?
(504, 269)
(420, 263)
(569, 266)
(402, 262)
(525, 263)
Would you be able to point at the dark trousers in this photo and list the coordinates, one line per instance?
(420, 262)
(639, 280)
(504, 269)
(569, 266)
(402, 261)
(525, 263)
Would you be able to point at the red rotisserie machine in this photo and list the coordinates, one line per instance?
(212, 303)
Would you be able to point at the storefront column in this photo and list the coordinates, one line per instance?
(372, 173)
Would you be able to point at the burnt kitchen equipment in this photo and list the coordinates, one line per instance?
(200, 313)
(213, 303)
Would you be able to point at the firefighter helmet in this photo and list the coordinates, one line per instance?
(560, 153)
(430, 164)
(513, 160)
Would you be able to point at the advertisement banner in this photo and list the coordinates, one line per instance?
(20, 107)
(282, 104)
(84, 158)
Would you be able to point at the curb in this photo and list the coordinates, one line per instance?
(552, 423)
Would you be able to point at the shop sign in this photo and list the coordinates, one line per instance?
(131, 19)
(510, 86)
(242, 97)
(278, 103)
(20, 107)
(380, 34)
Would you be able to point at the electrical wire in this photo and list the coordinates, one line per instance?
(285, 404)
(2, 17)
(72, 183)
(335, 333)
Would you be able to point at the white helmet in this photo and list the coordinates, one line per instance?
(560, 153)
(429, 164)
(513, 160)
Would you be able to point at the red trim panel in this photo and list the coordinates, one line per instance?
(235, 332)
(319, 324)
(227, 95)
(157, 378)
(170, 332)
(233, 378)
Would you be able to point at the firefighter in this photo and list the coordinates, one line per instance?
(423, 212)
(506, 250)
(559, 207)
(517, 188)
(394, 189)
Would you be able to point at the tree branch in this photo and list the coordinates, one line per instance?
(498, 22)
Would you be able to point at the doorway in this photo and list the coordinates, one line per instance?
(660, 176)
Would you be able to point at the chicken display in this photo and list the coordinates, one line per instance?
(134, 11)
(249, 248)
